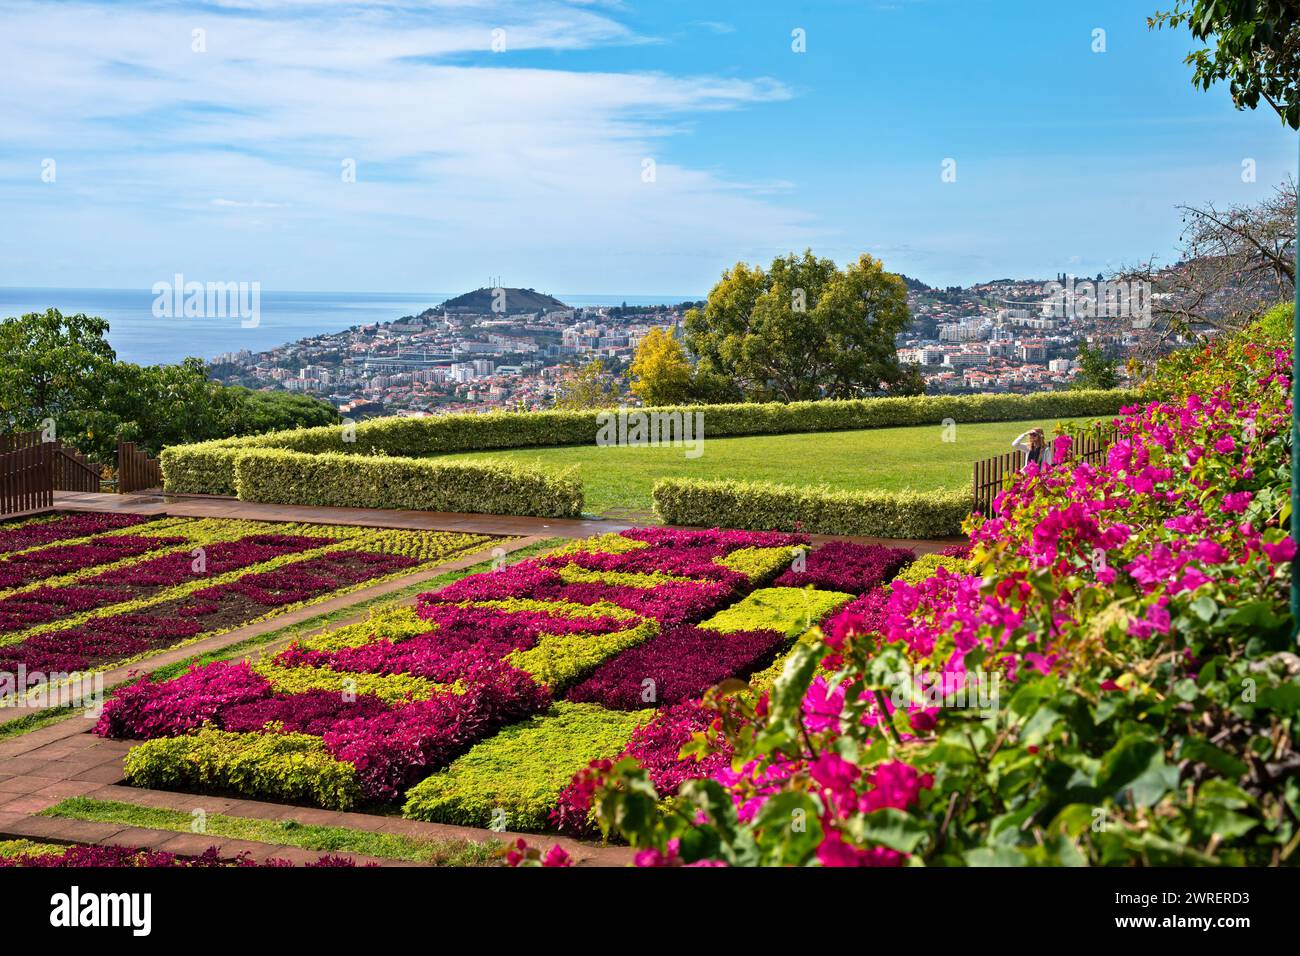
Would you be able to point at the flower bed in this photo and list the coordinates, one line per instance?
(678, 663)
(66, 615)
(362, 714)
(40, 531)
(89, 855)
(513, 780)
(39, 564)
(843, 566)
(1130, 621)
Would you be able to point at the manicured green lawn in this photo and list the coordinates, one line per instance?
(891, 459)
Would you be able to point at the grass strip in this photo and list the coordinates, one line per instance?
(323, 839)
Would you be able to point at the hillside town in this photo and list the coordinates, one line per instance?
(512, 348)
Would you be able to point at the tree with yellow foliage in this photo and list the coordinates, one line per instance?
(661, 373)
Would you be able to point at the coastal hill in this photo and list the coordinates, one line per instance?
(480, 301)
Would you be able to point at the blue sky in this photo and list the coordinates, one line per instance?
(529, 163)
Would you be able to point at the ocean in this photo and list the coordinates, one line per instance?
(138, 336)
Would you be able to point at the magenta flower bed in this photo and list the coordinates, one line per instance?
(399, 747)
(121, 636)
(65, 527)
(657, 747)
(21, 611)
(847, 567)
(713, 542)
(51, 562)
(391, 747)
(711, 587)
(146, 709)
(314, 712)
(463, 636)
(219, 558)
(88, 855)
(682, 662)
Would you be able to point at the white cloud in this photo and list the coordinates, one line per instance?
(464, 166)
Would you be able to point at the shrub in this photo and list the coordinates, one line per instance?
(373, 481)
(523, 769)
(292, 767)
(757, 505)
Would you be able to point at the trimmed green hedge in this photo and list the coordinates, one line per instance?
(377, 481)
(762, 506)
(208, 467)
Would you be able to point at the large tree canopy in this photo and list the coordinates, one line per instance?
(1255, 48)
(802, 329)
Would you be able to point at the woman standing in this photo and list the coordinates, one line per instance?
(1034, 447)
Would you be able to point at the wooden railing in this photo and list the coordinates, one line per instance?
(72, 471)
(990, 474)
(136, 471)
(32, 469)
(26, 478)
(19, 440)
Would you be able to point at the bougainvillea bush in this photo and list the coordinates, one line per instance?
(1108, 678)
(488, 696)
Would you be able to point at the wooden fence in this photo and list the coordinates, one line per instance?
(72, 471)
(27, 478)
(990, 474)
(19, 440)
(31, 470)
(136, 471)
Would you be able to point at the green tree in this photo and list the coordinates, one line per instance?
(803, 329)
(51, 365)
(587, 387)
(1252, 44)
(254, 412)
(661, 373)
(1095, 370)
(62, 368)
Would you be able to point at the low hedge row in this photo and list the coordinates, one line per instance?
(378, 481)
(757, 506)
(208, 467)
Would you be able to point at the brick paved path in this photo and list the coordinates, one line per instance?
(212, 506)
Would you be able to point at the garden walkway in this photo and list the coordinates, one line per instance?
(213, 506)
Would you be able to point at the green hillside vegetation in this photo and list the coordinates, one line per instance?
(480, 302)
